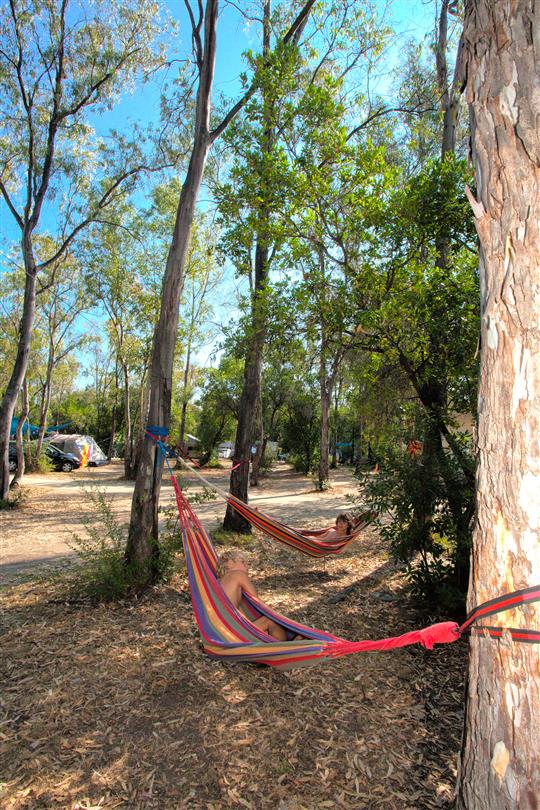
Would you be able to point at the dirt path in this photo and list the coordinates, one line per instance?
(39, 533)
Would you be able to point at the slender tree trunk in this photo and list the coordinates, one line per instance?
(259, 445)
(137, 444)
(19, 436)
(324, 473)
(499, 761)
(46, 400)
(9, 400)
(253, 363)
(185, 395)
(250, 395)
(113, 414)
(128, 469)
(142, 549)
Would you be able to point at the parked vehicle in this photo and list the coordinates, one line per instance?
(62, 462)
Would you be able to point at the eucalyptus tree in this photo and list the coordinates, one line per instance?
(202, 278)
(499, 760)
(120, 280)
(61, 298)
(59, 63)
(253, 202)
(142, 550)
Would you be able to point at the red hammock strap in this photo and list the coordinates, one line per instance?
(516, 633)
(501, 603)
(186, 456)
(239, 463)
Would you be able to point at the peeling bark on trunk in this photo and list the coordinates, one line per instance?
(19, 436)
(9, 400)
(499, 761)
(142, 548)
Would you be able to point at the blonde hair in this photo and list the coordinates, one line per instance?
(228, 557)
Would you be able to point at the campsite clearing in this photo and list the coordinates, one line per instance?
(117, 706)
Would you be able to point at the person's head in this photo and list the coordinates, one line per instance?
(344, 524)
(230, 561)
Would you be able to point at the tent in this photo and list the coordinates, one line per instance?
(84, 448)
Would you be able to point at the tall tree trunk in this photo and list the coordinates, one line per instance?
(142, 549)
(250, 393)
(128, 444)
(499, 760)
(253, 362)
(324, 445)
(9, 400)
(114, 413)
(46, 399)
(137, 444)
(19, 435)
(259, 444)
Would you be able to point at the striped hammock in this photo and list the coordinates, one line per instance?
(228, 634)
(307, 541)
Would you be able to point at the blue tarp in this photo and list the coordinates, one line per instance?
(34, 429)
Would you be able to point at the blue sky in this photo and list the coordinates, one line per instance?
(412, 19)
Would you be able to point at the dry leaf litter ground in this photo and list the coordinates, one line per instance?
(117, 706)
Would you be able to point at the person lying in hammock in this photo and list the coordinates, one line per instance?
(232, 572)
(343, 527)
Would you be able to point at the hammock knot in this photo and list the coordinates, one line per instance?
(441, 633)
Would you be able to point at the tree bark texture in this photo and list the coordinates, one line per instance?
(499, 761)
(19, 437)
(325, 391)
(142, 548)
(245, 432)
(9, 400)
(250, 394)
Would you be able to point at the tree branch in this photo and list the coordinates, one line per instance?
(292, 35)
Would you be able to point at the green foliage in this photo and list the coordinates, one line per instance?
(104, 574)
(206, 496)
(425, 512)
(220, 537)
(301, 431)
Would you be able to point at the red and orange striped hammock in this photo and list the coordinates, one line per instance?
(307, 541)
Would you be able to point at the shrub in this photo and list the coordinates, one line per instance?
(104, 574)
(207, 495)
(425, 513)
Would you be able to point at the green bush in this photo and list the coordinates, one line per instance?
(104, 574)
(207, 495)
(425, 512)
